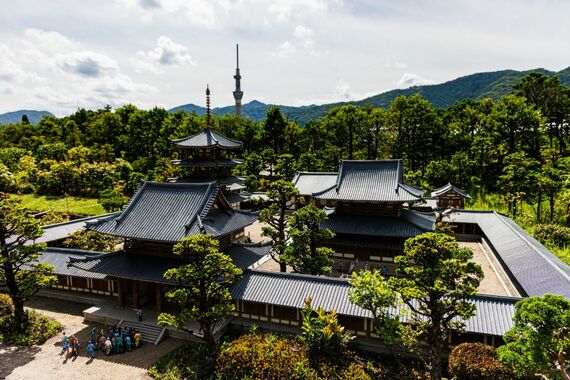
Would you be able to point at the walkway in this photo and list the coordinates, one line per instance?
(47, 362)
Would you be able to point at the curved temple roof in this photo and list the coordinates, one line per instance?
(371, 181)
(207, 138)
(168, 212)
(444, 189)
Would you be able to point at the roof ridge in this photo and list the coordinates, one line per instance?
(134, 199)
(63, 250)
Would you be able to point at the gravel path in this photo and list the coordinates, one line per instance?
(47, 362)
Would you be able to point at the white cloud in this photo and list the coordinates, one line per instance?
(284, 10)
(87, 64)
(166, 53)
(11, 70)
(410, 79)
(285, 50)
(396, 65)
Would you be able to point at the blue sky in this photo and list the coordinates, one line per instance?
(59, 55)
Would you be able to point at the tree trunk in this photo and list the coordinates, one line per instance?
(283, 267)
(435, 361)
(14, 291)
(539, 208)
(551, 200)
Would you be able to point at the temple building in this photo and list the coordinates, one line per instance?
(207, 156)
(365, 205)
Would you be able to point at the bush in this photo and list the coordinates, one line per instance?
(473, 361)
(322, 332)
(553, 233)
(37, 329)
(6, 305)
(264, 356)
(183, 363)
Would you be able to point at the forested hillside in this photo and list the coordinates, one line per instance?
(33, 117)
(514, 149)
(492, 85)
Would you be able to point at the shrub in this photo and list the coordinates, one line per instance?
(37, 329)
(323, 333)
(553, 233)
(264, 356)
(6, 305)
(187, 362)
(473, 361)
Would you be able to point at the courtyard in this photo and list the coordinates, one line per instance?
(48, 361)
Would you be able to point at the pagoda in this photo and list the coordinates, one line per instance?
(206, 156)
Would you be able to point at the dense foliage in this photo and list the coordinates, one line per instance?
(91, 241)
(36, 327)
(539, 342)
(477, 361)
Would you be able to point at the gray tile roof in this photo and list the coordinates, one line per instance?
(58, 257)
(411, 223)
(130, 266)
(203, 163)
(207, 138)
(444, 189)
(313, 182)
(530, 264)
(494, 314)
(245, 255)
(371, 181)
(168, 212)
(152, 268)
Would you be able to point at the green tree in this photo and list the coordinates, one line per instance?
(274, 130)
(111, 200)
(304, 252)
(518, 179)
(91, 241)
(286, 166)
(202, 289)
(435, 280)
(539, 342)
(374, 293)
(17, 230)
(281, 193)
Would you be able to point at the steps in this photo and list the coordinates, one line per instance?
(151, 334)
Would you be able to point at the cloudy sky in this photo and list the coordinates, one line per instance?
(59, 55)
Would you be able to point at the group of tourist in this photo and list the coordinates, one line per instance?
(116, 341)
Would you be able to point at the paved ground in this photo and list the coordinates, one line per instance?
(496, 281)
(46, 362)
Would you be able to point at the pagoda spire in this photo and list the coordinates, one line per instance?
(208, 113)
(238, 93)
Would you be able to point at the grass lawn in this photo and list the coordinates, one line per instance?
(75, 205)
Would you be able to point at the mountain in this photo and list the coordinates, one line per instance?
(492, 85)
(15, 117)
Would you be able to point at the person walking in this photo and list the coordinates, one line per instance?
(119, 344)
(94, 334)
(139, 314)
(91, 350)
(65, 341)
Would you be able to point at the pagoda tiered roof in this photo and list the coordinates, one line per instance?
(168, 212)
(371, 181)
(207, 163)
(207, 138)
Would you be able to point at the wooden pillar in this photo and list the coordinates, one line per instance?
(158, 294)
(136, 297)
(120, 287)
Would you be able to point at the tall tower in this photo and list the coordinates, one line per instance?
(238, 93)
